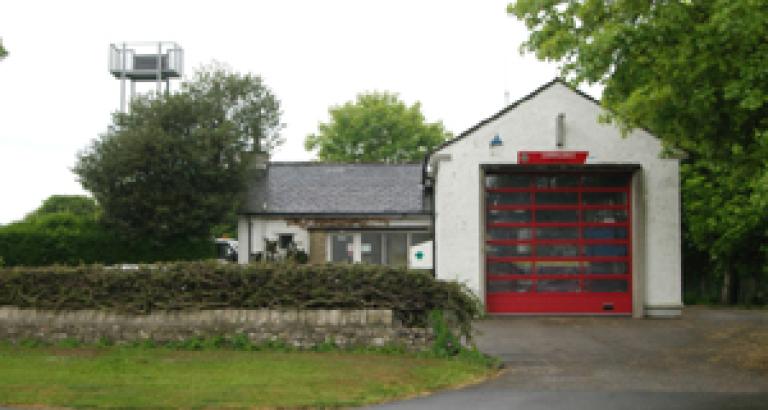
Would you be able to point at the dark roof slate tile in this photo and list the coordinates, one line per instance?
(321, 188)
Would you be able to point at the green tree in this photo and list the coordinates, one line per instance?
(51, 233)
(696, 74)
(377, 127)
(67, 238)
(3, 51)
(241, 101)
(78, 205)
(175, 165)
(725, 213)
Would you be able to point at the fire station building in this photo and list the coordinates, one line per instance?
(539, 209)
(542, 209)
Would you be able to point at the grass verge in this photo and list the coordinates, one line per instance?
(138, 377)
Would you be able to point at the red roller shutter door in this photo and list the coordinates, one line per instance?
(558, 243)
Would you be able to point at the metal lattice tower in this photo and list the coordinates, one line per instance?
(157, 61)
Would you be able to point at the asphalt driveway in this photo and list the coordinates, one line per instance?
(708, 359)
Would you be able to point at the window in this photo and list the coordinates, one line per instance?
(285, 240)
(420, 237)
(387, 248)
(342, 248)
(370, 248)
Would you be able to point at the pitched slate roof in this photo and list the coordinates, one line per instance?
(320, 188)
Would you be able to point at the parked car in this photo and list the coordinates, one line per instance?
(226, 249)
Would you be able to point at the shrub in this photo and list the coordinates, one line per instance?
(68, 230)
(68, 239)
(210, 285)
(445, 343)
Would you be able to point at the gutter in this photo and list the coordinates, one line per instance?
(336, 214)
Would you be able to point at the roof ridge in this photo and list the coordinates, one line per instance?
(509, 108)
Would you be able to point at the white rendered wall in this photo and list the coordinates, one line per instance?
(242, 239)
(531, 127)
(266, 228)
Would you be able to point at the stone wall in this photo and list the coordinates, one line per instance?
(299, 328)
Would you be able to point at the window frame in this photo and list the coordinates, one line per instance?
(357, 244)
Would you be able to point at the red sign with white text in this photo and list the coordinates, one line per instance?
(551, 157)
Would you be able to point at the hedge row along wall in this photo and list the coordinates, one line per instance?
(191, 286)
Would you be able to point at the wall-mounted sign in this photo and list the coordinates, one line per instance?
(420, 256)
(551, 157)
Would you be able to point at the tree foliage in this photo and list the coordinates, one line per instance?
(696, 74)
(3, 51)
(59, 215)
(67, 239)
(725, 211)
(76, 205)
(67, 229)
(240, 101)
(174, 166)
(377, 127)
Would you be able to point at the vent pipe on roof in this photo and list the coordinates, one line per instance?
(560, 130)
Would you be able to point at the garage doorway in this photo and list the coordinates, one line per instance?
(558, 242)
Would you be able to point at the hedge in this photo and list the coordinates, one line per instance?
(212, 285)
(32, 247)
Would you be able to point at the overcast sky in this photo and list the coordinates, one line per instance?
(456, 57)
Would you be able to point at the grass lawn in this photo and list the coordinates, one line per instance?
(161, 377)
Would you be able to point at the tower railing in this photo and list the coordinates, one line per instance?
(145, 61)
